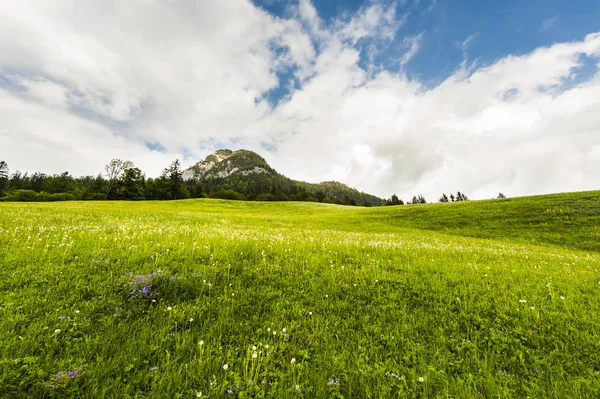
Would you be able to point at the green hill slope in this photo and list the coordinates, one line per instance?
(571, 219)
(223, 299)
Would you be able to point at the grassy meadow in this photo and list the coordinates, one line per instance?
(221, 299)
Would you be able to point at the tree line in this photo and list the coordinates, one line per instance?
(122, 180)
(419, 199)
(119, 180)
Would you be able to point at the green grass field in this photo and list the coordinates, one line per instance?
(217, 299)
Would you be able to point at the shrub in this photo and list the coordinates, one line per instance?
(228, 194)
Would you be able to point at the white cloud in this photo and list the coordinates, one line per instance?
(413, 44)
(465, 44)
(89, 81)
(549, 23)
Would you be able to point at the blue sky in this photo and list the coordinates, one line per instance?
(474, 31)
(407, 97)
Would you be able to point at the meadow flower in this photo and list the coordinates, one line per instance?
(191, 320)
(254, 355)
(153, 368)
(169, 308)
(421, 379)
(254, 347)
(225, 366)
(57, 331)
(522, 301)
(283, 329)
(293, 360)
(198, 394)
(201, 343)
(562, 297)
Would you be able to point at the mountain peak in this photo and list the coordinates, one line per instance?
(224, 163)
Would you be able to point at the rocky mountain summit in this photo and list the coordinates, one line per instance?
(224, 163)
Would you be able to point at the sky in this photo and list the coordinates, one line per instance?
(408, 97)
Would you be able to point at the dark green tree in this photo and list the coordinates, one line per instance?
(172, 179)
(132, 186)
(418, 200)
(444, 198)
(461, 196)
(394, 200)
(114, 171)
(3, 178)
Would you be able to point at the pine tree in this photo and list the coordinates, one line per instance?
(3, 177)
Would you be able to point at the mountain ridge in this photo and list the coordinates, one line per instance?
(248, 174)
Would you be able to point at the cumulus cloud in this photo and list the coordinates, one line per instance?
(83, 82)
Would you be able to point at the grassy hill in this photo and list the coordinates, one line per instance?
(222, 299)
